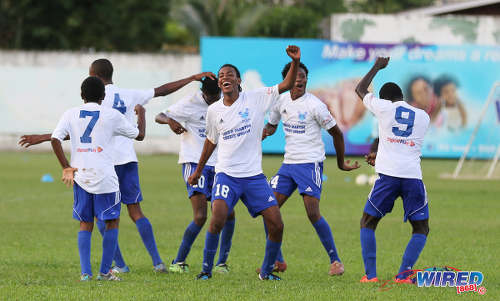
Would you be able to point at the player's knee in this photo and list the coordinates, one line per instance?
(368, 221)
(313, 216)
(135, 212)
(275, 228)
(216, 225)
(421, 227)
(200, 218)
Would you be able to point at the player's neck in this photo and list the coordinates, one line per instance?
(294, 94)
(230, 98)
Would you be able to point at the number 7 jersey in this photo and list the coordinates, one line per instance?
(402, 128)
(91, 128)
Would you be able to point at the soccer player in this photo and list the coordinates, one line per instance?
(303, 116)
(235, 124)
(91, 128)
(402, 128)
(191, 111)
(124, 156)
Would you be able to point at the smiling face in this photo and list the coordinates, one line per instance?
(299, 87)
(229, 81)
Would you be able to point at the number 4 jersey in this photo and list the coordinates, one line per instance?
(402, 128)
(91, 128)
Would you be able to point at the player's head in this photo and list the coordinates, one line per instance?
(391, 91)
(419, 91)
(92, 90)
(210, 89)
(102, 68)
(445, 87)
(301, 81)
(229, 78)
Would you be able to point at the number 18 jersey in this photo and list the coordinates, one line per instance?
(402, 128)
(91, 128)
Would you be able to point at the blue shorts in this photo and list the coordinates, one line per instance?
(128, 177)
(307, 177)
(105, 206)
(205, 182)
(253, 191)
(387, 189)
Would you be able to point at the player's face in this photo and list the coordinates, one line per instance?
(300, 82)
(228, 80)
(211, 98)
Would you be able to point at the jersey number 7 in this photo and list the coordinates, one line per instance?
(86, 135)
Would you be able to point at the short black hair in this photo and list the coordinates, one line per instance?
(210, 86)
(232, 66)
(92, 89)
(103, 69)
(442, 81)
(284, 72)
(414, 78)
(391, 91)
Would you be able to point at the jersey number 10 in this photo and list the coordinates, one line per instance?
(404, 116)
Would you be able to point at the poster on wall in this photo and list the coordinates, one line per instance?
(451, 83)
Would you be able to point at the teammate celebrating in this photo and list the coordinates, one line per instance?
(303, 117)
(124, 156)
(91, 127)
(402, 128)
(191, 111)
(235, 124)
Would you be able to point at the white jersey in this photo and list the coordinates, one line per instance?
(302, 120)
(237, 130)
(124, 101)
(401, 128)
(91, 129)
(191, 113)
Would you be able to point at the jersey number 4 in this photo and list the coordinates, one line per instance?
(404, 116)
(119, 104)
(86, 135)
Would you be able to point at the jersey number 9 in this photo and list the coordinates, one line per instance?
(404, 116)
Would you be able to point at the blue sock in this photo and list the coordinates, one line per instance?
(225, 240)
(326, 237)
(413, 249)
(84, 250)
(369, 251)
(280, 254)
(148, 238)
(211, 243)
(118, 258)
(272, 249)
(109, 241)
(190, 235)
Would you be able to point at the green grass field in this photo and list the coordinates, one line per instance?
(39, 256)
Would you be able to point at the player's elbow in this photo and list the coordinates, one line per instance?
(160, 118)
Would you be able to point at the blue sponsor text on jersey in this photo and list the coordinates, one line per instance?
(294, 128)
(237, 132)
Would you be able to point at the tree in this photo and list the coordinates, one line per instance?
(387, 6)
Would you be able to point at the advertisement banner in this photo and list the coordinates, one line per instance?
(451, 83)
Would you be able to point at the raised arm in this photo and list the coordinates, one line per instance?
(362, 87)
(175, 126)
(208, 149)
(30, 140)
(338, 143)
(174, 86)
(287, 83)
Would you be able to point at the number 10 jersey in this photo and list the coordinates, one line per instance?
(402, 128)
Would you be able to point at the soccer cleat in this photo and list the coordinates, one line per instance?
(179, 267)
(405, 280)
(85, 277)
(108, 277)
(365, 279)
(203, 276)
(269, 277)
(336, 268)
(160, 268)
(222, 268)
(279, 267)
(117, 269)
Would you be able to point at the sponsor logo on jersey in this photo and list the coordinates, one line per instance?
(302, 116)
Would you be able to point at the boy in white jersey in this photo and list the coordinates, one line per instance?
(191, 111)
(235, 125)
(303, 116)
(125, 159)
(91, 129)
(402, 128)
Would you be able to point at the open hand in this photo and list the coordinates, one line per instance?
(293, 52)
(381, 62)
(347, 166)
(68, 175)
(200, 76)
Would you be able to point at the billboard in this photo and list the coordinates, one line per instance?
(451, 83)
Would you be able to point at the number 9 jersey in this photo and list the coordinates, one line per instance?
(91, 128)
(402, 128)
